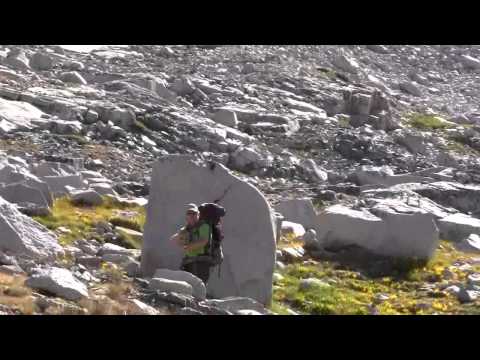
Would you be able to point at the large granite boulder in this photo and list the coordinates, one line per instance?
(249, 244)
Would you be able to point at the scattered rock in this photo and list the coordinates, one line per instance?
(41, 61)
(165, 285)
(73, 77)
(59, 282)
(20, 234)
(470, 244)
(86, 197)
(199, 289)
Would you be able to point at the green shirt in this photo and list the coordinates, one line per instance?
(200, 232)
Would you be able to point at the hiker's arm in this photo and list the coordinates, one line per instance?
(196, 245)
(178, 238)
(204, 235)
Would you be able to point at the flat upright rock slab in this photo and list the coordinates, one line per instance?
(58, 281)
(249, 226)
(20, 234)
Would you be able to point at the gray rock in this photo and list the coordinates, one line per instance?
(299, 211)
(250, 235)
(182, 87)
(73, 77)
(132, 268)
(458, 227)
(345, 63)
(140, 308)
(390, 228)
(410, 88)
(117, 258)
(188, 311)
(470, 244)
(73, 65)
(199, 289)
(313, 171)
(474, 279)
(310, 239)
(470, 62)
(59, 184)
(226, 117)
(306, 284)
(234, 304)
(86, 197)
(20, 234)
(11, 269)
(17, 60)
(41, 61)
(59, 282)
(89, 261)
(109, 248)
(467, 296)
(166, 285)
(22, 193)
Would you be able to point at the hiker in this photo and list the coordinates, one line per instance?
(194, 238)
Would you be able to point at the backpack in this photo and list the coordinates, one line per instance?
(211, 214)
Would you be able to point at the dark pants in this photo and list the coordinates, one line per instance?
(201, 269)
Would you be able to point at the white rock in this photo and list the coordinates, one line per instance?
(249, 244)
(58, 184)
(289, 227)
(58, 281)
(165, 285)
(199, 289)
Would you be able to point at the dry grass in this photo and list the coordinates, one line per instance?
(14, 294)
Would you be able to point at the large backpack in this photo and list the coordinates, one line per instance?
(211, 214)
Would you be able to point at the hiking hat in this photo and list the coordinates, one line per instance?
(192, 208)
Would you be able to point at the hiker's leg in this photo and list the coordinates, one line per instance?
(203, 271)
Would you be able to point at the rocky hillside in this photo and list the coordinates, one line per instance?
(364, 151)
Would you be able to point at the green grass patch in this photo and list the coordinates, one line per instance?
(353, 290)
(427, 122)
(81, 220)
(135, 223)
